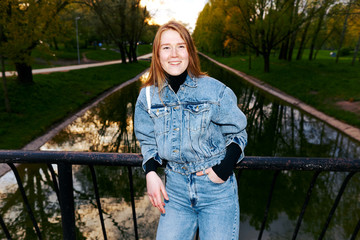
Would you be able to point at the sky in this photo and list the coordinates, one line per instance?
(185, 11)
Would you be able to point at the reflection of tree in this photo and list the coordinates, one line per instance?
(275, 129)
(43, 201)
(113, 184)
(122, 113)
(280, 129)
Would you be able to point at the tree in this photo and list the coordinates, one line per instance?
(288, 44)
(356, 51)
(265, 24)
(347, 14)
(2, 61)
(323, 8)
(124, 21)
(26, 24)
(210, 28)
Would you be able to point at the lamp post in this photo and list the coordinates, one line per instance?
(77, 39)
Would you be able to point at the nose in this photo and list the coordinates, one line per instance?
(174, 52)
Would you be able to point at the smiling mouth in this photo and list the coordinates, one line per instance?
(175, 63)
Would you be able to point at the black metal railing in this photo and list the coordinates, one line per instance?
(65, 193)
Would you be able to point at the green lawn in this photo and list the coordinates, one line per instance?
(51, 58)
(35, 108)
(320, 82)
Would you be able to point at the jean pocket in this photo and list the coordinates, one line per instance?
(211, 181)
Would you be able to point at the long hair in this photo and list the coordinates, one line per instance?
(156, 73)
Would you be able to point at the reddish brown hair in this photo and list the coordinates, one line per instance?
(156, 72)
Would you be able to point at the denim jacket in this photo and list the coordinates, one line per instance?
(189, 129)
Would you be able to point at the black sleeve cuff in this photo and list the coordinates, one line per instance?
(226, 167)
(151, 165)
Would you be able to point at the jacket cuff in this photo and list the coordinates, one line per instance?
(225, 168)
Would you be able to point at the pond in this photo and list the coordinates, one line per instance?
(274, 129)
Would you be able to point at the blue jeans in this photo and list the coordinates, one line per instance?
(197, 202)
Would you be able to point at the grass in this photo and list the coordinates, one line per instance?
(61, 57)
(320, 82)
(36, 107)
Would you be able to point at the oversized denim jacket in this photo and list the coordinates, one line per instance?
(192, 128)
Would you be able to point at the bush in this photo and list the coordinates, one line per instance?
(345, 51)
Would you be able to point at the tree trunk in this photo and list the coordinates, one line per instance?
(122, 53)
(316, 34)
(24, 72)
(266, 61)
(302, 42)
(249, 53)
(134, 52)
(131, 52)
(128, 53)
(343, 31)
(284, 49)
(356, 51)
(6, 97)
(56, 46)
(292, 46)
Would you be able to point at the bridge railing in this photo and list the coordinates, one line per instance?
(63, 181)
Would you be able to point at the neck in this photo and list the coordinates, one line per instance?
(176, 81)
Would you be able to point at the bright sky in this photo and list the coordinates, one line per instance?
(185, 11)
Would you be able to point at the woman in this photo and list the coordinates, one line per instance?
(192, 122)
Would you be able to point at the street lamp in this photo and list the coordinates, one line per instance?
(77, 39)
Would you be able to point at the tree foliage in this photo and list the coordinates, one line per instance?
(26, 24)
(124, 21)
(266, 25)
(209, 31)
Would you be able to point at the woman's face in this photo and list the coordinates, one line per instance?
(174, 56)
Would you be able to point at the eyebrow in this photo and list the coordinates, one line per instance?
(170, 44)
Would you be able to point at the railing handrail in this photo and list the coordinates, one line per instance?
(65, 193)
(135, 159)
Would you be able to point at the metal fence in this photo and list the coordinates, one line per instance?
(63, 181)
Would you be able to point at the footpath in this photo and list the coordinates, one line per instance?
(74, 67)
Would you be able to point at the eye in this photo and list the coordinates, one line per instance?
(182, 46)
(166, 48)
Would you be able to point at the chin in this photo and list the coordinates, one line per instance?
(176, 72)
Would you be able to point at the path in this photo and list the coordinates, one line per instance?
(74, 67)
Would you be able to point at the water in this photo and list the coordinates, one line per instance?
(275, 129)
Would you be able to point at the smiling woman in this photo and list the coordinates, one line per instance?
(192, 123)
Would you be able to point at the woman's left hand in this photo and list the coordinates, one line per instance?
(212, 175)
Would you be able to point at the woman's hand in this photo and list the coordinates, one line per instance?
(155, 188)
(212, 175)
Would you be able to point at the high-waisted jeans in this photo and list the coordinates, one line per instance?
(197, 202)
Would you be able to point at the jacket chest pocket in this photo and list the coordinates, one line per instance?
(197, 116)
(161, 118)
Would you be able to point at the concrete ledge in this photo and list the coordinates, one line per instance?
(351, 131)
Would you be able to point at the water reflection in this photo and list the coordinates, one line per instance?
(275, 129)
(280, 129)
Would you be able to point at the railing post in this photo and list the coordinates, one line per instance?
(67, 201)
(133, 202)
